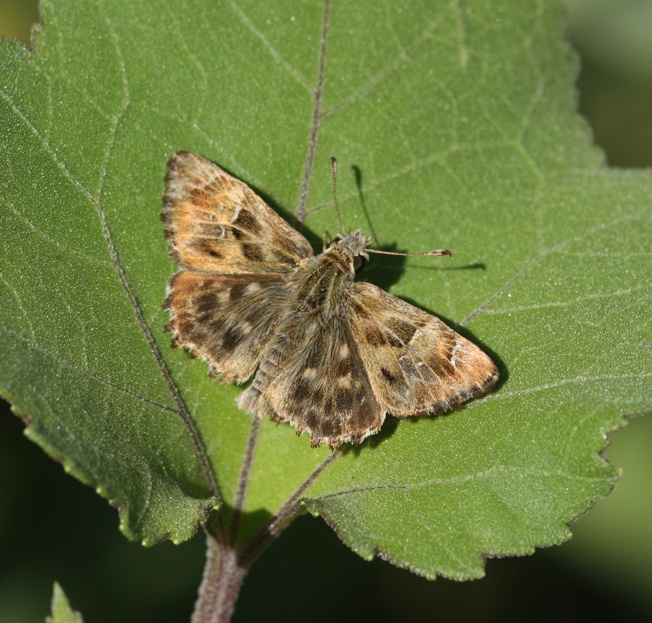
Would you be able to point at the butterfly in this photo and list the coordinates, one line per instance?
(330, 355)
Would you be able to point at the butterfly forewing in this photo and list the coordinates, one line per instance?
(215, 222)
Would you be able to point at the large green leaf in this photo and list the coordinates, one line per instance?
(460, 124)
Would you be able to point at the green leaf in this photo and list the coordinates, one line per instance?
(460, 124)
(61, 610)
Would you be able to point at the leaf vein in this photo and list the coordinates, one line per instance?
(274, 53)
(316, 118)
(85, 370)
(402, 56)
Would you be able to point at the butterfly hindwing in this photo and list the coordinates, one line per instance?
(313, 378)
(226, 320)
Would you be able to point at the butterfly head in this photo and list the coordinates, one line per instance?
(353, 245)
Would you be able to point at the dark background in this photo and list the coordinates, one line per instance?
(54, 528)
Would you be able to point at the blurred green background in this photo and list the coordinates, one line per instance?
(54, 528)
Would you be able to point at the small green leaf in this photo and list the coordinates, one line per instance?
(61, 610)
(454, 126)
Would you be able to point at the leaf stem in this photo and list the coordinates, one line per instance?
(220, 586)
(226, 564)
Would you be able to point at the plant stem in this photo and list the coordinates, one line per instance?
(223, 576)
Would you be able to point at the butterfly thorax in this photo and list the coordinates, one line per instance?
(321, 283)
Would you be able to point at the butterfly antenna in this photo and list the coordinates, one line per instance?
(435, 252)
(337, 206)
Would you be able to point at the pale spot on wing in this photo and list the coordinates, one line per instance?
(246, 327)
(453, 359)
(417, 334)
(223, 230)
(311, 328)
(344, 382)
(211, 217)
(420, 364)
(344, 351)
(236, 214)
(252, 288)
(209, 181)
(310, 373)
(224, 296)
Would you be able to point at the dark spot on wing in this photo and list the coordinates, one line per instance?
(344, 401)
(302, 389)
(402, 330)
(247, 221)
(253, 252)
(391, 378)
(361, 310)
(317, 394)
(374, 335)
(207, 247)
(237, 290)
(343, 367)
(313, 359)
(312, 420)
(307, 391)
(184, 329)
(290, 251)
(205, 317)
(206, 303)
(329, 427)
(231, 339)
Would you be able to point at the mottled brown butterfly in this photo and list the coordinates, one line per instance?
(330, 355)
